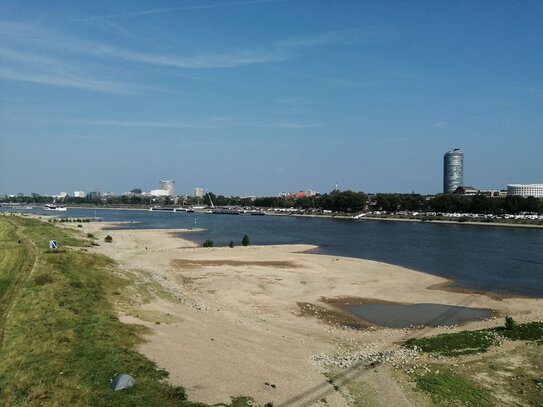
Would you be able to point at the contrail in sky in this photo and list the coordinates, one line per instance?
(181, 8)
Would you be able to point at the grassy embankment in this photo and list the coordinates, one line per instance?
(480, 373)
(61, 339)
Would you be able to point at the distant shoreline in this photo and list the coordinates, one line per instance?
(453, 222)
(349, 217)
(392, 219)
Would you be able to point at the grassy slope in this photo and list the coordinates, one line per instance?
(15, 264)
(63, 342)
(521, 385)
(473, 342)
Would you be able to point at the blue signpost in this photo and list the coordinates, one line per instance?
(53, 245)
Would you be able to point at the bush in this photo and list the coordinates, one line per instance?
(509, 323)
(245, 240)
(108, 239)
(531, 331)
(90, 235)
(176, 393)
(209, 243)
(231, 244)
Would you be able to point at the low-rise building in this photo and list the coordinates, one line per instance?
(466, 190)
(160, 192)
(493, 193)
(198, 192)
(525, 190)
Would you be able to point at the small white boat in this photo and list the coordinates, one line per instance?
(53, 207)
(161, 209)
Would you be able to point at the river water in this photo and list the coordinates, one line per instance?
(501, 260)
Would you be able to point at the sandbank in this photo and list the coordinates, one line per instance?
(240, 320)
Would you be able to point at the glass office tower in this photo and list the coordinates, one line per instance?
(453, 171)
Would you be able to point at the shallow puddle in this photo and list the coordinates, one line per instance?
(406, 315)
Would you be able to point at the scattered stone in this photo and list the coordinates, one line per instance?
(185, 299)
(363, 358)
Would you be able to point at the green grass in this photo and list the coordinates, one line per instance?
(449, 389)
(472, 342)
(532, 331)
(15, 264)
(62, 340)
(457, 344)
(12, 255)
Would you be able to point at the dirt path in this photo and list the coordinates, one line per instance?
(24, 265)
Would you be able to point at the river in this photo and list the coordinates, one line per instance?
(501, 260)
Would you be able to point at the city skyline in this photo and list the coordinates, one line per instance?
(260, 97)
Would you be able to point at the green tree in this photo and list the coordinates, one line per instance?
(509, 323)
(245, 240)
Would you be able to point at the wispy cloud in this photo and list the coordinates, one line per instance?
(324, 79)
(48, 57)
(219, 60)
(174, 9)
(64, 81)
(348, 36)
(282, 125)
(35, 68)
(440, 125)
(209, 123)
(213, 122)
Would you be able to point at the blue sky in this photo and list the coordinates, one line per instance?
(259, 97)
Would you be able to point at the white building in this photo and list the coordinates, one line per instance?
(535, 190)
(160, 192)
(79, 194)
(167, 185)
(198, 192)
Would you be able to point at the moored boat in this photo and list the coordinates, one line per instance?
(53, 207)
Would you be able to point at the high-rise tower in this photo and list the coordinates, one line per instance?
(168, 185)
(453, 171)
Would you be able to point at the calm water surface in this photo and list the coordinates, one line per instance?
(407, 315)
(503, 260)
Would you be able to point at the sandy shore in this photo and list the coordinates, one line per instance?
(249, 317)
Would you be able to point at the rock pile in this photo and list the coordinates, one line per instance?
(185, 299)
(364, 358)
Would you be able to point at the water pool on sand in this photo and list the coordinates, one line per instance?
(406, 315)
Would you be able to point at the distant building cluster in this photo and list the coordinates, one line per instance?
(453, 181)
(299, 194)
